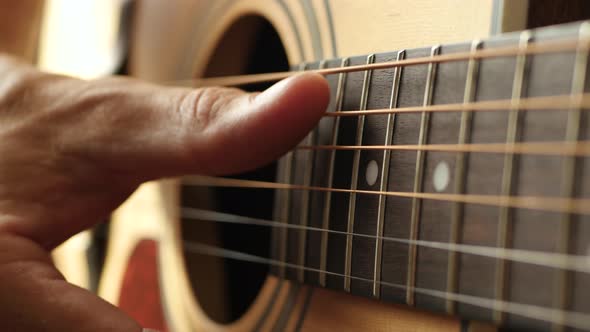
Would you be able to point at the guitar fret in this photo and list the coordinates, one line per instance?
(418, 179)
(310, 139)
(294, 176)
(460, 173)
(303, 221)
(573, 129)
(354, 175)
(287, 176)
(512, 135)
(385, 177)
(327, 203)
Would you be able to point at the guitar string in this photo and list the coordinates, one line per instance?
(541, 203)
(557, 316)
(545, 47)
(550, 148)
(545, 103)
(569, 262)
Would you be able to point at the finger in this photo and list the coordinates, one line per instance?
(172, 131)
(35, 297)
(256, 129)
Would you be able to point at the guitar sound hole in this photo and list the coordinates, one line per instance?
(225, 288)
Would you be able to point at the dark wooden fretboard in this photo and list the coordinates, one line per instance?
(386, 247)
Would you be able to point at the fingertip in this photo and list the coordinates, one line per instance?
(315, 87)
(296, 104)
(309, 88)
(309, 79)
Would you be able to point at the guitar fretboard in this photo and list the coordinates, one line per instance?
(404, 225)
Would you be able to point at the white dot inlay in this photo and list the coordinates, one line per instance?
(441, 176)
(372, 172)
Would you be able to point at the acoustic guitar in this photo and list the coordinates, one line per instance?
(447, 187)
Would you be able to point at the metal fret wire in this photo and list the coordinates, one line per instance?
(385, 177)
(504, 236)
(285, 212)
(328, 197)
(418, 178)
(535, 48)
(305, 206)
(309, 139)
(460, 173)
(354, 175)
(562, 285)
(555, 204)
(573, 319)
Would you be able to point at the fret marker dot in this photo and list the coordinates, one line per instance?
(372, 172)
(441, 176)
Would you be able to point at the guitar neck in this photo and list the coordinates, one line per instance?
(418, 199)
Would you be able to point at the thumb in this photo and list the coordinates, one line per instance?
(158, 132)
(250, 130)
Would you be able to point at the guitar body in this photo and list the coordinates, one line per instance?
(147, 272)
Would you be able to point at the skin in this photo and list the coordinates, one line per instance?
(71, 151)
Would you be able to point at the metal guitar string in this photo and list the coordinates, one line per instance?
(555, 204)
(531, 104)
(557, 316)
(554, 148)
(546, 259)
(507, 51)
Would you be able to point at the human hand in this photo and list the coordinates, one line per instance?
(71, 151)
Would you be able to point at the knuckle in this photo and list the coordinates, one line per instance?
(24, 89)
(203, 106)
(114, 82)
(16, 85)
(201, 111)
